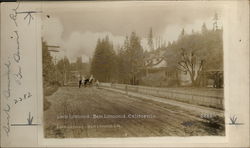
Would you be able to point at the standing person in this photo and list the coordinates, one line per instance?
(91, 79)
(97, 83)
(80, 82)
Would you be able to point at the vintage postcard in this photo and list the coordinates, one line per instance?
(125, 74)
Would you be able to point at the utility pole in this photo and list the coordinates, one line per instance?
(64, 71)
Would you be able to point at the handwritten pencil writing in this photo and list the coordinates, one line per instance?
(28, 15)
(30, 119)
(16, 55)
(18, 75)
(13, 16)
(8, 92)
(7, 126)
(14, 69)
(25, 96)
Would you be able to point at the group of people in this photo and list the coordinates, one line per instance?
(88, 82)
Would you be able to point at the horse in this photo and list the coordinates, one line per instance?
(88, 82)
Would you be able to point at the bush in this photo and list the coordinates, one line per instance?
(49, 90)
(46, 104)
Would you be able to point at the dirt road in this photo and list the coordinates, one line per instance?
(91, 112)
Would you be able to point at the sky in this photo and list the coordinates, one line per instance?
(76, 26)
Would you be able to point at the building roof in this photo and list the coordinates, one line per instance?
(155, 59)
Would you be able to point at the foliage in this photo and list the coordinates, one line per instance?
(103, 65)
(48, 65)
(122, 67)
(193, 54)
(197, 52)
(150, 39)
(132, 59)
(63, 70)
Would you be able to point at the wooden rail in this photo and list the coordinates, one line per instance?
(209, 98)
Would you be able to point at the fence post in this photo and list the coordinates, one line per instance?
(192, 99)
(126, 89)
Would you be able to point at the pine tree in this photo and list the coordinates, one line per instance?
(215, 24)
(204, 28)
(135, 59)
(103, 65)
(48, 65)
(150, 39)
(182, 32)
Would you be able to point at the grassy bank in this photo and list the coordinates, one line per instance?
(48, 91)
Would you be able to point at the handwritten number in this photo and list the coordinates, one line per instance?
(25, 96)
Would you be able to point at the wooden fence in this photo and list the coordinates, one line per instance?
(205, 97)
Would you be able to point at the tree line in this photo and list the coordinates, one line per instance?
(197, 53)
(122, 66)
(58, 72)
(191, 53)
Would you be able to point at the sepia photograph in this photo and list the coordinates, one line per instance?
(132, 69)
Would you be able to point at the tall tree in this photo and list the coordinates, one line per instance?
(103, 65)
(191, 65)
(63, 67)
(135, 58)
(204, 28)
(122, 67)
(202, 51)
(182, 32)
(79, 63)
(48, 65)
(150, 39)
(215, 23)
